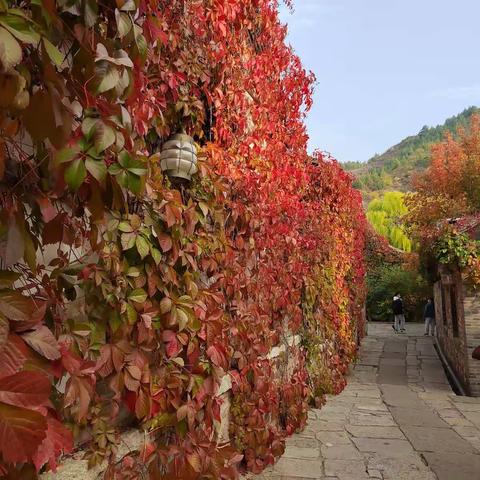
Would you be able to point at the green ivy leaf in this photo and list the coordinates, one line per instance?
(132, 315)
(156, 255)
(10, 50)
(115, 169)
(88, 127)
(140, 42)
(96, 168)
(129, 6)
(142, 245)
(134, 183)
(53, 52)
(66, 154)
(20, 28)
(125, 227)
(182, 319)
(108, 76)
(90, 13)
(128, 240)
(75, 174)
(139, 295)
(104, 136)
(124, 24)
(165, 305)
(115, 321)
(8, 278)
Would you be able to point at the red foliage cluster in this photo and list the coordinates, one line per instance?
(446, 202)
(136, 300)
(450, 186)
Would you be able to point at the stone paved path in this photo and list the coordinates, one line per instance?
(397, 420)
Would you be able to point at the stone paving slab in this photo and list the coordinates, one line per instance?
(453, 466)
(417, 416)
(425, 439)
(398, 419)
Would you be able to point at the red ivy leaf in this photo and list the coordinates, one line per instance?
(47, 209)
(43, 342)
(12, 356)
(21, 433)
(25, 389)
(216, 356)
(59, 440)
(165, 242)
(15, 306)
(4, 331)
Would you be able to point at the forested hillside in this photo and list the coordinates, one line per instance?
(393, 169)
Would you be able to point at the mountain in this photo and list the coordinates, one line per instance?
(393, 169)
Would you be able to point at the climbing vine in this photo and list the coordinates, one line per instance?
(126, 299)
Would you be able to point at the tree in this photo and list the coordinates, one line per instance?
(450, 187)
(447, 196)
(385, 215)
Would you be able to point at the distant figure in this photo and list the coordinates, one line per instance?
(398, 314)
(429, 316)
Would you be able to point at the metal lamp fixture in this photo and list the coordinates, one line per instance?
(178, 158)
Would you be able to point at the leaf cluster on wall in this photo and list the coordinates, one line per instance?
(125, 298)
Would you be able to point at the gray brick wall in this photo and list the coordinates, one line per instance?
(472, 334)
(454, 347)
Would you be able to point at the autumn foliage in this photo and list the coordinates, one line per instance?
(126, 300)
(443, 210)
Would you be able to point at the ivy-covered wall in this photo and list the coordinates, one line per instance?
(157, 291)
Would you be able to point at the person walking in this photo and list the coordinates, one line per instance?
(429, 316)
(398, 314)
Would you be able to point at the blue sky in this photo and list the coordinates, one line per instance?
(384, 68)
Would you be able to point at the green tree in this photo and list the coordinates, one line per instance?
(385, 215)
(386, 280)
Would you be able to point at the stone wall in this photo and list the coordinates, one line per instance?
(472, 332)
(457, 342)
(448, 291)
(283, 358)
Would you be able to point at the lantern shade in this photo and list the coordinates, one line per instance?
(178, 157)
